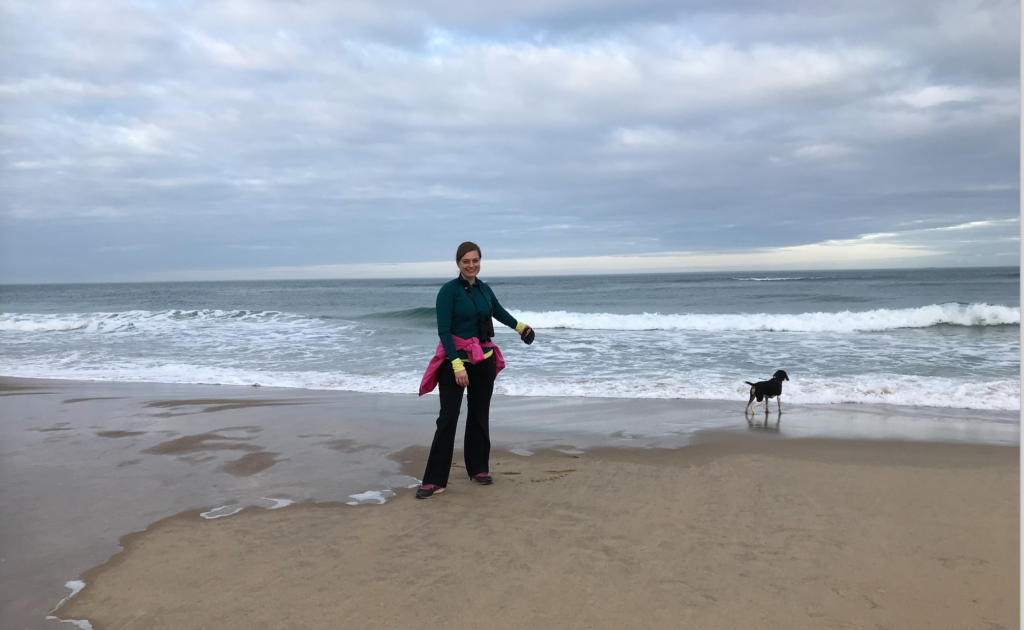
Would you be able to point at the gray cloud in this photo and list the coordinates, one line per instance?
(150, 137)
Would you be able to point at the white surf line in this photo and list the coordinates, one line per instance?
(380, 497)
(207, 515)
(81, 623)
(520, 451)
(76, 586)
(846, 321)
(278, 503)
(377, 496)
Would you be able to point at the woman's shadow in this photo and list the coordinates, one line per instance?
(765, 426)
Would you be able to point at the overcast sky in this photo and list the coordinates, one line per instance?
(228, 139)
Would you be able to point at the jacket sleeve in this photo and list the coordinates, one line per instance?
(500, 313)
(444, 307)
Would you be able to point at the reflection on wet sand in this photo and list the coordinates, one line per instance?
(765, 425)
(250, 464)
(119, 434)
(211, 405)
(201, 442)
(347, 446)
(60, 426)
(10, 388)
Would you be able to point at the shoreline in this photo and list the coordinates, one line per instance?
(85, 462)
(255, 381)
(565, 404)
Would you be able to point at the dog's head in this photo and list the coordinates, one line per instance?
(780, 376)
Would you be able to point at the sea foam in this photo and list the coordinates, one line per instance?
(76, 587)
(378, 497)
(893, 389)
(952, 313)
(890, 389)
(844, 321)
(129, 320)
(698, 356)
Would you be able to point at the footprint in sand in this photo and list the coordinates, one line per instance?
(555, 474)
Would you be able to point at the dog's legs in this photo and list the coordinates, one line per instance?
(753, 395)
(749, 401)
(779, 401)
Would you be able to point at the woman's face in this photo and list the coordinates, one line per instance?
(469, 264)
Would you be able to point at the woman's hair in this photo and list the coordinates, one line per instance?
(465, 248)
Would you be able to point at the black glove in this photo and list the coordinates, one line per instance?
(528, 337)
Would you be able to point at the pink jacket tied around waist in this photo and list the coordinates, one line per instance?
(474, 349)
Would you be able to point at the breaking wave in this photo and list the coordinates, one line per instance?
(845, 321)
(413, 317)
(128, 320)
(386, 352)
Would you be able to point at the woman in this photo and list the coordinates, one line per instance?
(466, 358)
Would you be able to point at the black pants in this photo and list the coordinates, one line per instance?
(478, 434)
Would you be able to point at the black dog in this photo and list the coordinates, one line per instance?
(771, 388)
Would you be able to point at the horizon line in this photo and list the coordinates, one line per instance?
(507, 275)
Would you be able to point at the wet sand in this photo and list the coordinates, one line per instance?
(83, 464)
(730, 534)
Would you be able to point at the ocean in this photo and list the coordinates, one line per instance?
(928, 337)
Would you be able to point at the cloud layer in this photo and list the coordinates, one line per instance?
(163, 137)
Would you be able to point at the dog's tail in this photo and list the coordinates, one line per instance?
(749, 383)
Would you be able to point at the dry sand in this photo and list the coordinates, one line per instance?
(735, 534)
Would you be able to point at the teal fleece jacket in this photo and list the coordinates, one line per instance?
(457, 316)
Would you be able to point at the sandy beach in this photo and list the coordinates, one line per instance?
(801, 534)
(693, 518)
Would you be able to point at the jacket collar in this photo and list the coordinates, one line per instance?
(466, 283)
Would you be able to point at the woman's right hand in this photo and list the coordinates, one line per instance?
(462, 378)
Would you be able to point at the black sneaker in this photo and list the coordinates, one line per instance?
(428, 490)
(483, 479)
